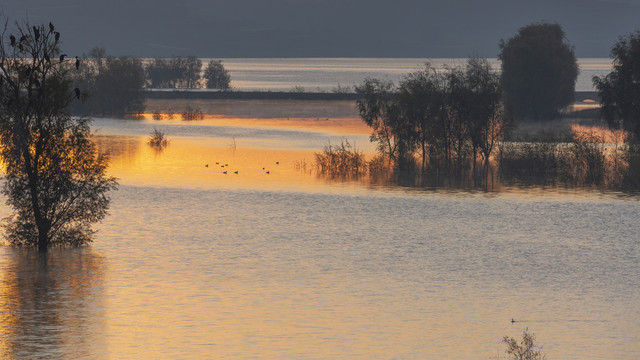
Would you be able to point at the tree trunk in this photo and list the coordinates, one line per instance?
(43, 243)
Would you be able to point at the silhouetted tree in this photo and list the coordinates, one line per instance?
(216, 76)
(422, 103)
(539, 72)
(55, 180)
(159, 74)
(619, 91)
(191, 68)
(176, 72)
(115, 86)
(453, 111)
(380, 111)
(481, 107)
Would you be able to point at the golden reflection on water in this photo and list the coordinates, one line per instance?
(51, 306)
(199, 163)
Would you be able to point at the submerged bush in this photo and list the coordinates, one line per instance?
(158, 139)
(525, 350)
(192, 113)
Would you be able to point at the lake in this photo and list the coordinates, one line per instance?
(193, 263)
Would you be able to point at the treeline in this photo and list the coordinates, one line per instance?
(115, 86)
(443, 117)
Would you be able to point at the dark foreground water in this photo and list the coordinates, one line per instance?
(195, 265)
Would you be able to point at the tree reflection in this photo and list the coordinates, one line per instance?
(51, 306)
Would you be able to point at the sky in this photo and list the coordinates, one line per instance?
(321, 28)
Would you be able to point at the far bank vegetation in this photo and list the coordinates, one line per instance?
(116, 86)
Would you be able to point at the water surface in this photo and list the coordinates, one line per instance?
(193, 263)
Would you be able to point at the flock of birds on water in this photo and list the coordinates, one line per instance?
(236, 172)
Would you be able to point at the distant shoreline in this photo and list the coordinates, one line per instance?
(197, 94)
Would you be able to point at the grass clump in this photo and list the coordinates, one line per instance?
(342, 160)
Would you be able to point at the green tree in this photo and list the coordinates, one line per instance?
(619, 91)
(216, 76)
(539, 72)
(55, 180)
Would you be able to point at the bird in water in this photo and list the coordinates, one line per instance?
(268, 172)
(206, 165)
(235, 172)
(224, 172)
(512, 321)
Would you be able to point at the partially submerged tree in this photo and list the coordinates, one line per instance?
(423, 104)
(55, 180)
(380, 111)
(447, 115)
(482, 107)
(216, 76)
(539, 72)
(619, 91)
